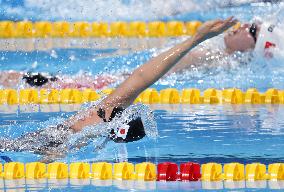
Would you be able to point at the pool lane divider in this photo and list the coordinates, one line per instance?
(64, 29)
(146, 171)
(83, 29)
(149, 96)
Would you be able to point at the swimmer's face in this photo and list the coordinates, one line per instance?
(240, 39)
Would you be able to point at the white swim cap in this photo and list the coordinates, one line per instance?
(269, 40)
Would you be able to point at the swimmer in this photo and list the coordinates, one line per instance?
(262, 39)
(14, 79)
(48, 141)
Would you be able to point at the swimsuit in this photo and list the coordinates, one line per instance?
(55, 138)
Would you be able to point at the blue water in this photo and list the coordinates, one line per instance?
(198, 133)
(91, 185)
(259, 73)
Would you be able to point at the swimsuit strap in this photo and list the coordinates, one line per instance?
(102, 113)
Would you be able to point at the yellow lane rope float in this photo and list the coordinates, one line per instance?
(62, 29)
(149, 96)
(146, 171)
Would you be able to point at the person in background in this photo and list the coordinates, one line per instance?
(14, 79)
(262, 39)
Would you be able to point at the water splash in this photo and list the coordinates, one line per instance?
(113, 10)
(55, 142)
(220, 70)
(131, 113)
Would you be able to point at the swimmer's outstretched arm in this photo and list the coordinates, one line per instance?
(150, 72)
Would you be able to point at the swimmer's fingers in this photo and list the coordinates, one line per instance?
(228, 23)
(220, 26)
(213, 28)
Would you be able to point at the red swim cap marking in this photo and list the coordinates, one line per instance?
(122, 131)
(269, 44)
(267, 52)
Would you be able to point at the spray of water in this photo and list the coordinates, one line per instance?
(112, 10)
(58, 141)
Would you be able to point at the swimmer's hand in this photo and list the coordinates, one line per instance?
(213, 28)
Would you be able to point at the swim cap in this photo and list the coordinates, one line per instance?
(132, 131)
(38, 79)
(35, 79)
(269, 39)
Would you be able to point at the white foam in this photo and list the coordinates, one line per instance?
(101, 9)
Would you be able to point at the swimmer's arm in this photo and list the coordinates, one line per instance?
(147, 74)
(150, 72)
(193, 59)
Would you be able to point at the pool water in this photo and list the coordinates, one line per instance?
(197, 133)
(117, 185)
